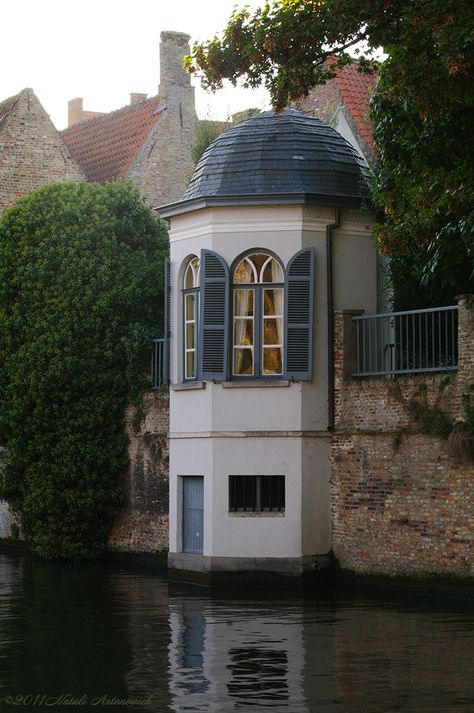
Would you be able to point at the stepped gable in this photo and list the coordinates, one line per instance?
(106, 146)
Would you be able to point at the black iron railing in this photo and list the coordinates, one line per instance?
(409, 342)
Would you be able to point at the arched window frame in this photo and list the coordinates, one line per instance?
(216, 322)
(250, 343)
(190, 310)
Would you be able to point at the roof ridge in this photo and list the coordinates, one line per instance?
(8, 105)
(111, 114)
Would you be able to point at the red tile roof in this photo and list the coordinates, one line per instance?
(86, 115)
(106, 146)
(6, 108)
(356, 90)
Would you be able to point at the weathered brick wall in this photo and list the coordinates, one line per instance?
(400, 503)
(143, 524)
(32, 153)
(321, 102)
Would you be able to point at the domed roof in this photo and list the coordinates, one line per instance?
(275, 158)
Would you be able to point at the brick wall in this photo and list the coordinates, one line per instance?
(32, 153)
(143, 524)
(400, 503)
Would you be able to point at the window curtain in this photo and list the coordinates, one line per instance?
(242, 306)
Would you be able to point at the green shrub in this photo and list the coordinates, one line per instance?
(80, 299)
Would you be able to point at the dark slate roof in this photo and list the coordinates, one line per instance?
(275, 158)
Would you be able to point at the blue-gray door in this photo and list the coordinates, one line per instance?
(193, 513)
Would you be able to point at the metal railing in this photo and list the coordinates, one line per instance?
(157, 364)
(409, 342)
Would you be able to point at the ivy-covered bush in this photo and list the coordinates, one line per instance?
(80, 299)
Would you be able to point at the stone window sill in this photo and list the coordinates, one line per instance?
(189, 386)
(278, 383)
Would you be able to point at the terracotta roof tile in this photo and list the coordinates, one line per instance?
(356, 90)
(86, 115)
(6, 108)
(106, 145)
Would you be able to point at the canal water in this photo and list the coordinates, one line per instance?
(96, 636)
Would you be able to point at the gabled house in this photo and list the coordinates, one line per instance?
(32, 152)
(344, 103)
(148, 141)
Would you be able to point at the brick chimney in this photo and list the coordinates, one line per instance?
(75, 111)
(136, 97)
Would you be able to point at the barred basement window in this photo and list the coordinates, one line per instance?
(256, 493)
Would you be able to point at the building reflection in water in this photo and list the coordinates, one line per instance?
(93, 629)
(235, 653)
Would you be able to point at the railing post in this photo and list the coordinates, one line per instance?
(465, 342)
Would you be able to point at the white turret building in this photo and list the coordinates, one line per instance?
(269, 239)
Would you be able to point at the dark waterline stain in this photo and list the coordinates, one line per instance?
(97, 636)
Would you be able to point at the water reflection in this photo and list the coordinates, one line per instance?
(97, 630)
(232, 652)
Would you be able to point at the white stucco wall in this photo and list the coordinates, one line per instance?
(218, 431)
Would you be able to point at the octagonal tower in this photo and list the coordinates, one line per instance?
(268, 240)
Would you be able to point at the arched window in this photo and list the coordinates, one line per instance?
(190, 313)
(258, 307)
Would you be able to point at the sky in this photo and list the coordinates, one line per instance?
(102, 50)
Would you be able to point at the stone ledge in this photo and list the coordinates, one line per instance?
(278, 383)
(189, 386)
(181, 563)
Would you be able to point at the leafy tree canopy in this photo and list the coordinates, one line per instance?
(205, 132)
(80, 299)
(422, 110)
(287, 43)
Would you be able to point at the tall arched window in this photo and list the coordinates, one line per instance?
(258, 307)
(190, 313)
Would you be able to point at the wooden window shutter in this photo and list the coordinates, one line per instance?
(213, 317)
(299, 308)
(166, 328)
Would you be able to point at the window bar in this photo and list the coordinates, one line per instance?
(446, 338)
(407, 348)
(426, 342)
(370, 344)
(358, 347)
(420, 352)
(452, 338)
(160, 370)
(400, 332)
(439, 340)
(380, 342)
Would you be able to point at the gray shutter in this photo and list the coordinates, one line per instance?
(213, 317)
(299, 290)
(166, 328)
